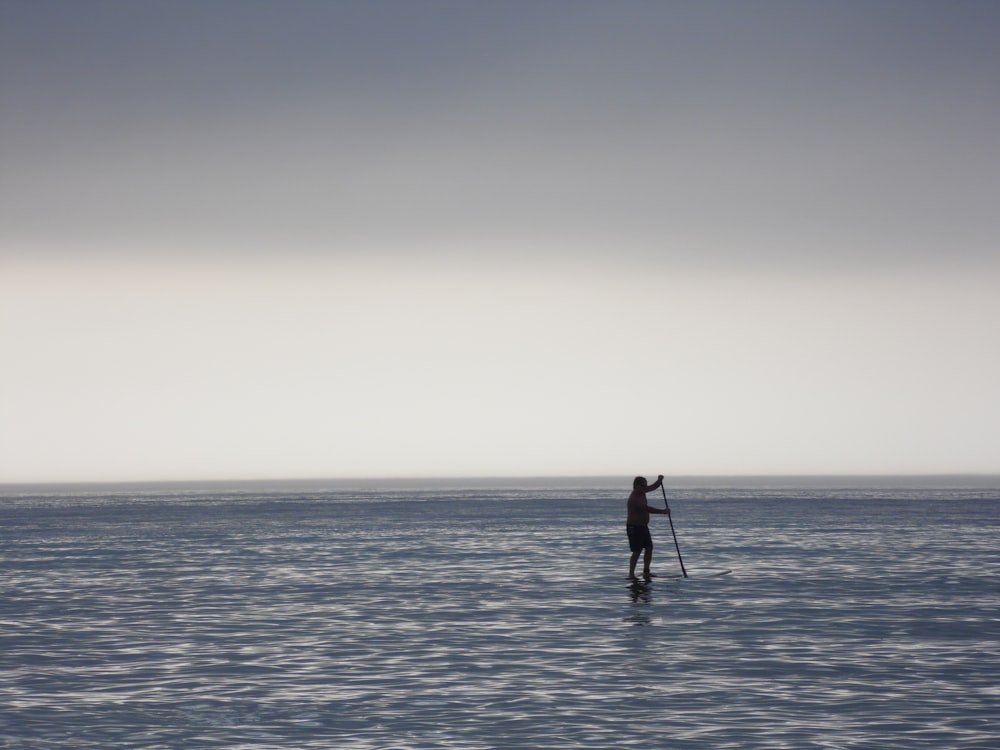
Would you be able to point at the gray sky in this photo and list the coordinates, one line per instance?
(304, 239)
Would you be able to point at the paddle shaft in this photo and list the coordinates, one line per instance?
(676, 545)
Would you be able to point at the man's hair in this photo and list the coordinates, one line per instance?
(639, 483)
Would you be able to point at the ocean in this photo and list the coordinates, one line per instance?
(486, 615)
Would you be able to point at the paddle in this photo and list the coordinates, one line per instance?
(670, 518)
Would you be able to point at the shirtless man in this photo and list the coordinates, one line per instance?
(637, 524)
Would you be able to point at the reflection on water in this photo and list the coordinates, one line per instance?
(641, 593)
(486, 621)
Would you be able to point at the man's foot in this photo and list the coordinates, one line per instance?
(648, 574)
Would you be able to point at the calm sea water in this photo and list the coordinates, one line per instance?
(499, 618)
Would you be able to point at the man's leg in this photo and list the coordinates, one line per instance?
(631, 564)
(647, 559)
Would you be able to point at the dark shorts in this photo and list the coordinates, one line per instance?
(638, 537)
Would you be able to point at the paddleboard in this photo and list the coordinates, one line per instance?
(675, 576)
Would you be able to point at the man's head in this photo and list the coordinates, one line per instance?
(639, 483)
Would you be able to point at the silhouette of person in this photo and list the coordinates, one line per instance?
(637, 524)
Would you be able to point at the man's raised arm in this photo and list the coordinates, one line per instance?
(655, 485)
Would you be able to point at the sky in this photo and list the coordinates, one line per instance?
(297, 239)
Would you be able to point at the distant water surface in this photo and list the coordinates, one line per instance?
(499, 617)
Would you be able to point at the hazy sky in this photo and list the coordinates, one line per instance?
(347, 239)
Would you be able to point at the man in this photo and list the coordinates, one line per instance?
(637, 524)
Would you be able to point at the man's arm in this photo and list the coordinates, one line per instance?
(655, 486)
